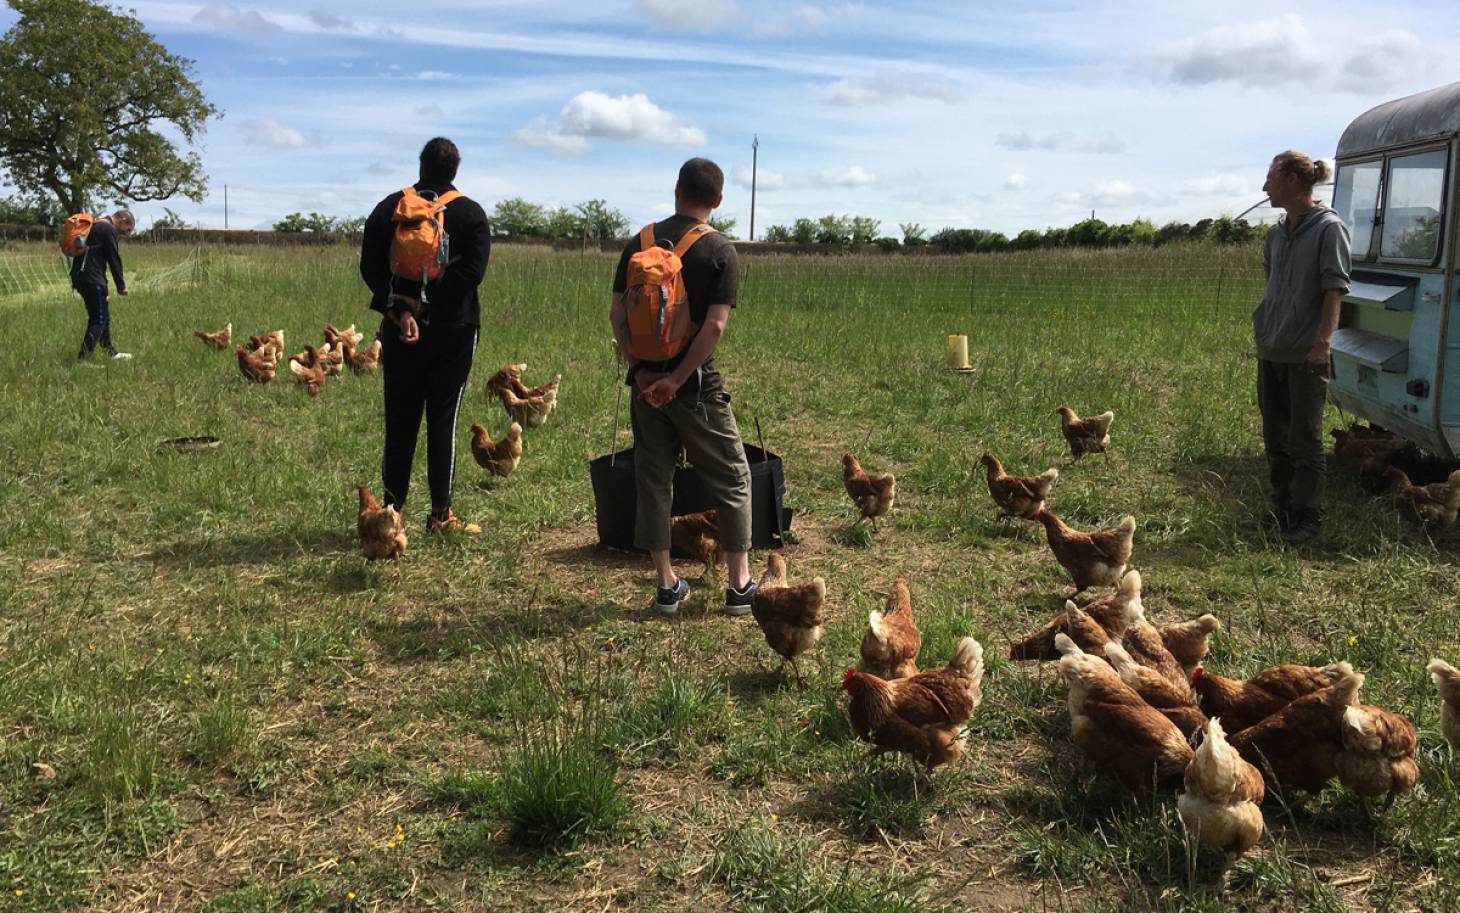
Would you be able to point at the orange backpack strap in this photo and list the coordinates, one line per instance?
(447, 197)
(646, 237)
(691, 236)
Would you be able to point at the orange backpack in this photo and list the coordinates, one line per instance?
(420, 249)
(656, 299)
(73, 233)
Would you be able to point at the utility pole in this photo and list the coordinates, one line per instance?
(225, 207)
(754, 162)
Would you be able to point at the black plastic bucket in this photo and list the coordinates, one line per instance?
(614, 497)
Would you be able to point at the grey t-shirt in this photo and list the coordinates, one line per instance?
(1303, 262)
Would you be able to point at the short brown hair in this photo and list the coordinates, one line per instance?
(1309, 170)
(701, 181)
(122, 215)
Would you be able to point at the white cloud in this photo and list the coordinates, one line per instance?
(431, 111)
(617, 118)
(230, 18)
(274, 134)
(850, 176)
(328, 20)
(1015, 181)
(434, 75)
(861, 92)
(817, 15)
(1273, 52)
(699, 16)
(1225, 183)
(806, 17)
(543, 135)
(1063, 141)
(765, 179)
(1105, 194)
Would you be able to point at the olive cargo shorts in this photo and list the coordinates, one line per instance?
(706, 428)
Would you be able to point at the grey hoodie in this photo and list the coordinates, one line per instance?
(1302, 264)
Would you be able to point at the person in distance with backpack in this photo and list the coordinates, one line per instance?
(423, 253)
(94, 246)
(672, 294)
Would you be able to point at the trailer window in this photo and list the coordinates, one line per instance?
(1413, 204)
(1356, 198)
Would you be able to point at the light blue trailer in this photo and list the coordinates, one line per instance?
(1394, 361)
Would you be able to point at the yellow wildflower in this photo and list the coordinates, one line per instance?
(1352, 639)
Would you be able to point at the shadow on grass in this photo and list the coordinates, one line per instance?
(594, 555)
(258, 548)
(754, 686)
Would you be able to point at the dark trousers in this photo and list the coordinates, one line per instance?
(428, 377)
(1292, 399)
(98, 318)
(704, 425)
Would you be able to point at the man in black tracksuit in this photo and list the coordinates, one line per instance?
(427, 341)
(88, 278)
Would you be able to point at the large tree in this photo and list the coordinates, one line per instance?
(84, 94)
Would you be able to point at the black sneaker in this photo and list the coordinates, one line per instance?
(1306, 527)
(667, 602)
(737, 602)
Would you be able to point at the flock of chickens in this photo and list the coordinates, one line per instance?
(381, 529)
(258, 362)
(1139, 696)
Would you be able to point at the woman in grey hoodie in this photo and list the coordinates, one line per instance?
(1306, 258)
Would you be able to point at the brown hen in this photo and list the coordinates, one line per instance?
(1115, 728)
(1297, 747)
(1435, 504)
(219, 340)
(873, 494)
(924, 715)
(497, 457)
(892, 640)
(1086, 435)
(257, 366)
(1092, 559)
(1223, 792)
(382, 534)
(1018, 496)
(790, 617)
(1241, 704)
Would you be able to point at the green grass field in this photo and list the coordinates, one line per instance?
(244, 716)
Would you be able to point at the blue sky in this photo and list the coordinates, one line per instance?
(1001, 116)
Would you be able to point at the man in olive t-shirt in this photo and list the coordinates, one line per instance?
(682, 403)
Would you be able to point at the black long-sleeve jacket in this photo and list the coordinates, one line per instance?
(452, 296)
(102, 251)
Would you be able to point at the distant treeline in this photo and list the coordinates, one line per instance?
(594, 220)
(844, 231)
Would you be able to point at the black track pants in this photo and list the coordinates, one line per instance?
(428, 377)
(98, 318)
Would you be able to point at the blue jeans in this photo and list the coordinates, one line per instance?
(98, 318)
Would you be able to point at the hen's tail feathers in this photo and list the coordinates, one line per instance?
(775, 571)
(1130, 585)
(1065, 646)
(1446, 678)
(1452, 491)
(1128, 525)
(1119, 658)
(968, 658)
